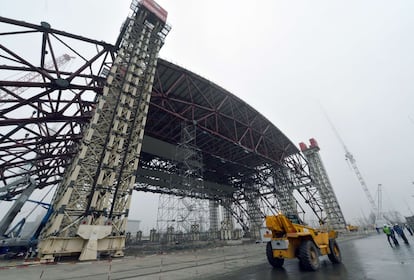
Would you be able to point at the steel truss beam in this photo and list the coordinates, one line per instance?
(43, 125)
(190, 99)
(41, 122)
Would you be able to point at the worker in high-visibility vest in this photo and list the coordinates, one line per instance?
(390, 235)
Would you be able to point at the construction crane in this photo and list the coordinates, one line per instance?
(350, 158)
(35, 77)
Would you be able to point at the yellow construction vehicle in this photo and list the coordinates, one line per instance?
(290, 240)
(350, 227)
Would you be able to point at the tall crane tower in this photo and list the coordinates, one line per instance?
(350, 158)
(91, 205)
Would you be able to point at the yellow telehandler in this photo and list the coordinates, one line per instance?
(290, 240)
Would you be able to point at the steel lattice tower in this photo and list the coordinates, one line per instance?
(284, 192)
(91, 205)
(334, 217)
(185, 212)
(227, 224)
(255, 217)
(213, 209)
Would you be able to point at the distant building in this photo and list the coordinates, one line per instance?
(133, 226)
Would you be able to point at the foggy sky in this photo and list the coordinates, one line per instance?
(288, 59)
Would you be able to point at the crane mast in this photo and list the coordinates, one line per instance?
(350, 158)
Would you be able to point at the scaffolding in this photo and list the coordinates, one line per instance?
(227, 223)
(334, 216)
(184, 213)
(255, 217)
(283, 188)
(213, 209)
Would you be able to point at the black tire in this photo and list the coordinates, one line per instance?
(335, 255)
(308, 256)
(275, 262)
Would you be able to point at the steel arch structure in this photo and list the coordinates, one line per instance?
(41, 128)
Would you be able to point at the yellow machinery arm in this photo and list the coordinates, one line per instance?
(280, 224)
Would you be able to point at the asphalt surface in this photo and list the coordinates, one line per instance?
(369, 257)
(365, 258)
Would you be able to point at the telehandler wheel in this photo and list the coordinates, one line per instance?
(308, 256)
(335, 255)
(275, 262)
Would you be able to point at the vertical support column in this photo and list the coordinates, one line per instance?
(185, 211)
(227, 224)
(167, 214)
(283, 189)
(92, 204)
(255, 217)
(214, 218)
(334, 217)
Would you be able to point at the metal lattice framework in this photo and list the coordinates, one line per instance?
(186, 212)
(41, 125)
(245, 157)
(93, 200)
(334, 216)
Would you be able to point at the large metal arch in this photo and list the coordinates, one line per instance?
(241, 149)
(232, 135)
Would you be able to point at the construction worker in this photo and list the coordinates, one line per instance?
(390, 235)
(401, 233)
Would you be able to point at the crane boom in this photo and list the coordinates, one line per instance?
(350, 158)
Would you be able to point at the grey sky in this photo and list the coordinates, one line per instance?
(354, 58)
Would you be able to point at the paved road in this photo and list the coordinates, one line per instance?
(364, 258)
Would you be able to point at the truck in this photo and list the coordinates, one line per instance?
(290, 240)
